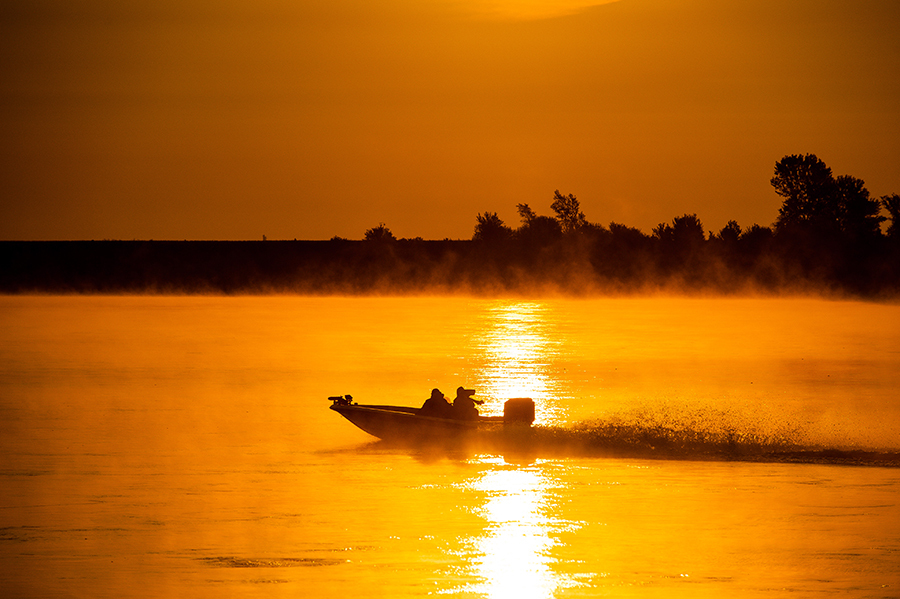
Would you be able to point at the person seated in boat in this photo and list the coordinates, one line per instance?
(437, 406)
(464, 405)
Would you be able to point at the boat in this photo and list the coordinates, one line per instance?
(400, 423)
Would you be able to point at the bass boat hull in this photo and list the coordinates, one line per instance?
(399, 423)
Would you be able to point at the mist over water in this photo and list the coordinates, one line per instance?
(159, 446)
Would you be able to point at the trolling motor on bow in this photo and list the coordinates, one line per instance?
(341, 400)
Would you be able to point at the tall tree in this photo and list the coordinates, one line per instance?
(525, 213)
(808, 189)
(568, 212)
(823, 205)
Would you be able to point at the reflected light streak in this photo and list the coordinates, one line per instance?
(512, 558)
(515, 355)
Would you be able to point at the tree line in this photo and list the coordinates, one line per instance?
(828, 235)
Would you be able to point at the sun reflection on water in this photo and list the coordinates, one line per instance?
(512, 558)
(516, 351)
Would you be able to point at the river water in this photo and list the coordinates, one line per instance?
(182, 447)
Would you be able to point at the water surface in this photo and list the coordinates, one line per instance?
(182, 446)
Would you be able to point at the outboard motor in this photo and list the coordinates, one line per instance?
(519, 410)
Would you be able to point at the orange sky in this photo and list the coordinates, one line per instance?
(234, 119)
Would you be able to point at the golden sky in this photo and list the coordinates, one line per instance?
(234, 119)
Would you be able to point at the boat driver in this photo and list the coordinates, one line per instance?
(437, 406)
(464, 405)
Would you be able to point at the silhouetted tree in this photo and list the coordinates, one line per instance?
(568, 212)
(859, 215)
(808, 189)
(678, 248)
(540, 230)
(525, 213)
(757, 260)
(726, 242)
(491, 229)
(629, 237)
(623, 255)
(730, 233)
(828, 227)
(890, 270)
(687, 231)
(380, 233)
(756, 236)
(891, 203)
(536, 230)
(663, 232)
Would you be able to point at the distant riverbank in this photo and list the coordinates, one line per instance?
(567, 267)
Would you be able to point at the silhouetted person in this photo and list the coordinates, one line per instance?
(464, 406)
(437, 406)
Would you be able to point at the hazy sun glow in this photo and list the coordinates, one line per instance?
(515, 349)
(530, 9)
(305, 120)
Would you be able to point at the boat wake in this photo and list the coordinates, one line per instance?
(664, 435)
(616, 439)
